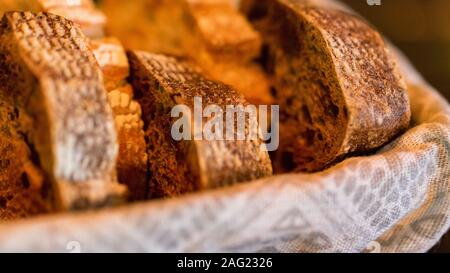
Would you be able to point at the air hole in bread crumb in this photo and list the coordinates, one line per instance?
(267, 60)
(320, 136)
(5, 163)
(289, 101)
(333, 110)
(25, 182)
(3, 202)
(306, 114)
(309, 137)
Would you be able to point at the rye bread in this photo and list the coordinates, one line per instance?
(177, 167)
(50, 75)
(338, 86)
(131, 161)
(24, 188)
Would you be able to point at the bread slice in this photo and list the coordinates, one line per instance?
(213, 33)
(82, 12)
(113, 61)
(178, 167)
(24, 189)
(110, 54)
(338, 86)
(132, 160)
(51, 76)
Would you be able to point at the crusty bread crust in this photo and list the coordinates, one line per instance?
(52, 76)
(339, 88)
(162, 82)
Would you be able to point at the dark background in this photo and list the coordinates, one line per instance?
(421, 28)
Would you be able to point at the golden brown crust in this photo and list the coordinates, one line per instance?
(113, 61)
(163, 82)
(373, 87)
(90, 20)
(54, 79)
(132, 159)
(225, 32)
(339, 88)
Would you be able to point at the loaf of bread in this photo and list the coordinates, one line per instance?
(50, 75)
(178, 167)
(338, 86)
(213, 33)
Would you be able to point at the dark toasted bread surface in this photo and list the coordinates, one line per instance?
(163, 82)
(338, 86)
